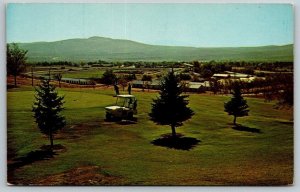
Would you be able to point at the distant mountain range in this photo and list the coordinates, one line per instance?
(101, 48)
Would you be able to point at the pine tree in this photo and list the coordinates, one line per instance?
(170, 108)
(237, 106)
(47, 108)
(108, 77)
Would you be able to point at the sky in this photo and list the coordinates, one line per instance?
(197, 25)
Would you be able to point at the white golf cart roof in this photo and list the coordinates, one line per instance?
(126, 96)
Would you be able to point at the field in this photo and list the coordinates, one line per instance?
(92, 73)
(97, 152)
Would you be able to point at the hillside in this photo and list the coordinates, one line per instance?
(95, 48)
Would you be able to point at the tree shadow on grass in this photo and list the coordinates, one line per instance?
(132, 120)
(178, 142)
(127, 122)
(8, 86)
(45, 153)
(239, 127)
(123, 121)
(287, 122)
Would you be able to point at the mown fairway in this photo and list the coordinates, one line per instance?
(91, 73)
(223, 157)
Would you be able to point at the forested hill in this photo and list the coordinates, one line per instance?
(100, 48)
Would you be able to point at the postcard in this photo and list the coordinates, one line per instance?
(165, 94)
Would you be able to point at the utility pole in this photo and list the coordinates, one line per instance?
(32, 76)
(49, 74)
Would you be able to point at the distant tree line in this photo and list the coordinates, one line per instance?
(274, 87)
(110, 78)
(53, 63)
(205, 68)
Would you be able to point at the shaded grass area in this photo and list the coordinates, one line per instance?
(224, 156)
(247, 129)
(44, 153)
(178, 142)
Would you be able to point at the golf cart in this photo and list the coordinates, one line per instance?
(124, 108)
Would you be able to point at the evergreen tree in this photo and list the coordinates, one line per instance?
(47, 108)
(237, 106)
(170, 108)
(108, 77)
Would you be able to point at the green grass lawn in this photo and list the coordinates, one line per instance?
(224, 156)
(90, 73)
(74, 73)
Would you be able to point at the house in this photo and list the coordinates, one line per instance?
(86, 66)
(188, 66)
(199, 87)
(155, 84)
(221, 76)
(77, 81)
(96, 65)
(131, 67)
(251, 79)
(231, 75)
(137, 84)
(239, 75)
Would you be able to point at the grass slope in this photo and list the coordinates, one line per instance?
(95, 48)
(223, 157)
